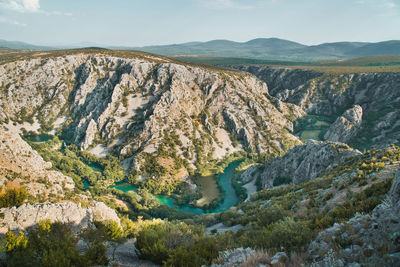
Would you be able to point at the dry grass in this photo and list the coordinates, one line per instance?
(347, 69)
(260, 257)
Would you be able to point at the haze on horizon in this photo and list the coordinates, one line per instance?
(157, 22)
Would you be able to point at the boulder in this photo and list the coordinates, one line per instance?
(346, 126)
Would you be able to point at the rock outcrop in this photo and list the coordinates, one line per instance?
(132, 102)
(366, 239)
(250, 257)
(280, 80)
(346, 126)
(75, 215)
(302, 163)
(235, 257)
(21, 165)
(332, 94)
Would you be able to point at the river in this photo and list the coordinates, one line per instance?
(225, 180)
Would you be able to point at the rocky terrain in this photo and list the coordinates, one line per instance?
(131, 106)
(371, 239)
(302, 163)
(332, 94)
(346, 126)
(162, 119)
(20, 165)
(73, 214)
(281, 79)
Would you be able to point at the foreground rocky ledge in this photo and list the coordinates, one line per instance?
(74, 214)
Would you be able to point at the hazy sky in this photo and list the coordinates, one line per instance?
(148, 22)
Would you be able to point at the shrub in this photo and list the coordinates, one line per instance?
(287, 234)
(198, 254)
(282, 180)
(157, 241)
(13, 197)
(271, 215)
(50, 245)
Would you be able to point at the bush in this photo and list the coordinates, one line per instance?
(13, 197)
(270, 215)
(50, 245)
(156, 241)
(282, 180)
(288, 234)
(201, 253)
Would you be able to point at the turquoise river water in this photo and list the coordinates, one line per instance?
(225, 180)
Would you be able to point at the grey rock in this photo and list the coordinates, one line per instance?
(18, 157)
(304, 163)
(70, 213)
(123, 254)
(331, 95)
(346, 126)
(372, 230)
(82, 246)
(110, 98)
(234, 257)
(281, 79)
(280, 258)
(249, 174)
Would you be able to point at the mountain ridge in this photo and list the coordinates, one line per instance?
(258, 48)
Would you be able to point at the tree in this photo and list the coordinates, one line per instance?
(50, 245)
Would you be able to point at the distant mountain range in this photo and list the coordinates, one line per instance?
(22, 45)
(273, 48)
(261, 48)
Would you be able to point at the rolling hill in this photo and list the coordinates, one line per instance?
(260, 48)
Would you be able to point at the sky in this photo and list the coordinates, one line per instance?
(158, 22)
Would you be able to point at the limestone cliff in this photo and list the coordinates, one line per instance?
(73, 214)
(302, 163)
(376, 235)
(138, 104)
(346, 126)
(20, 165)
(331, 95)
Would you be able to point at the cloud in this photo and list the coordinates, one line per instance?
(225, 4)
(23, 6)
(29, 6)
(12, 22)
(390, 5)
(381, 3)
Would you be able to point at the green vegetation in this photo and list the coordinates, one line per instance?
(179, 244)
(50, 245)
(74, 163)
(13, 197)
(312, 126)
(382, 63)
(365, 137)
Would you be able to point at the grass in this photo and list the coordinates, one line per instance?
(312, 126)
(382, 63)
(322, 123)
(310, 134)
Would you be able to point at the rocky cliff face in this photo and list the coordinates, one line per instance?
(140, 105)
(378, 95)
(346, 126)
(70, 213)
(302, 163)
(20, 165)
(280, 80)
